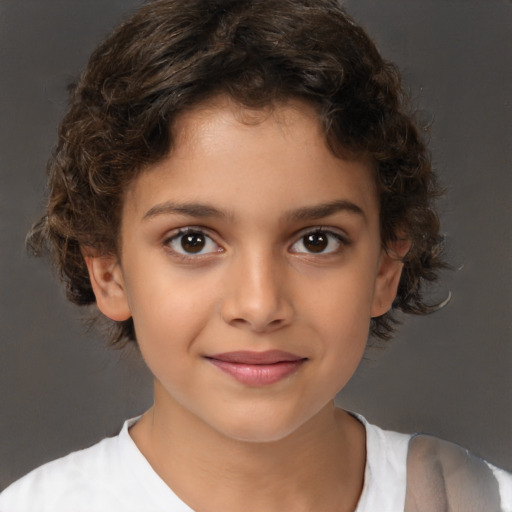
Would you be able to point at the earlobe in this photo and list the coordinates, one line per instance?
(107, 283)
(388, 277)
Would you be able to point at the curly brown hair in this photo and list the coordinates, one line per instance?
(174, 54)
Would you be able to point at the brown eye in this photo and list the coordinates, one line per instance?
(193, 242)
(319, 241)
(316, 242)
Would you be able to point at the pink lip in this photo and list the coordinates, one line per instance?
(258, 368)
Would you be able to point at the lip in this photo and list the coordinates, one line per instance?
(257, 369)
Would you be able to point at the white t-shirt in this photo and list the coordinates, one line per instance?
(114, 476)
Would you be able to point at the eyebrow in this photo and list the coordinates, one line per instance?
(320, 211)
(197, 210)
(200, 210)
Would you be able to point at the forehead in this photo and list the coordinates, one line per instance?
(225, 153)
(221, 120)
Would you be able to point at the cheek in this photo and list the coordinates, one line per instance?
(168, 307)
(345, 335)
(341, 297)
(340, 311)
(344, 347)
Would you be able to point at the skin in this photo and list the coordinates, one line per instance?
(253, 185)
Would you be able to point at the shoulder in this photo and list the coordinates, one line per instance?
(111, 476)
(67, 480)
(421, 473)
(444, 476)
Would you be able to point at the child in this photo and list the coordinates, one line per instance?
(238, 186)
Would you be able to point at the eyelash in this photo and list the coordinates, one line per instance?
(179, 236)
(340, 240)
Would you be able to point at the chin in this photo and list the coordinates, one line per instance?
(260, 428)
(258, 434)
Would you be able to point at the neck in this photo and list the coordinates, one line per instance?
(319, 466)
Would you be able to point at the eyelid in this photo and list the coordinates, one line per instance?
(183, 230)
(178, 232)
(337, 233)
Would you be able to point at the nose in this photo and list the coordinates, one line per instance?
(256, 297)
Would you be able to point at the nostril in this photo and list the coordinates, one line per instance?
(260, 307)
(261, 327)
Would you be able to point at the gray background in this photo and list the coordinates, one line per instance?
(448, 374)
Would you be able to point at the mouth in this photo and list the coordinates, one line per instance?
(257, 369)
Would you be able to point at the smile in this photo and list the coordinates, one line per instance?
(257, 369)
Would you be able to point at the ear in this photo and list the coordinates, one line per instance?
(388, 276)
(107, 282)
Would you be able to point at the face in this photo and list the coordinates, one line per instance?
(251, 264)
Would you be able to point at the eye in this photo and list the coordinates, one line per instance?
(319, 241)
(192, 242)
